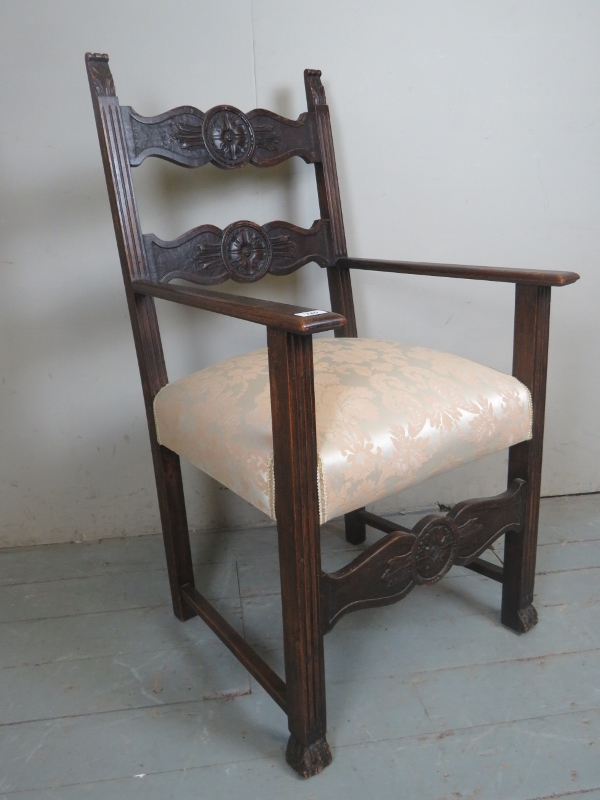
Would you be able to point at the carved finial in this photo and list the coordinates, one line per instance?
(315, 93)
(101, 80)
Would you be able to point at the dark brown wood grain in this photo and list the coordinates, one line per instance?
(378, 577)
(481, 566)
(154, 136)
(355, 527)
(198, 256)
(297, 511)
(330, 204)
(264, 312)
(177, 136)
(502, 274)
(389, 569)
(530, 364)
(480, 522)
(279, 138)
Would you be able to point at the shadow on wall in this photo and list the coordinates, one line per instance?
(76, 456)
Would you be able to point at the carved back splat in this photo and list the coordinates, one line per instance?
(243, 252)
(229, 139)
(224, 135)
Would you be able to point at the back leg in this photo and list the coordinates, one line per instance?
(356, 530)
(176, 535)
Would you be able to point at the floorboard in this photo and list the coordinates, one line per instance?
(106, 695)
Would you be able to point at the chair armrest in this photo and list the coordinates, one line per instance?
(524, 276)
(280, 316)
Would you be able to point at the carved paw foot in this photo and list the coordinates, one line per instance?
(308, 760)
(521, 622)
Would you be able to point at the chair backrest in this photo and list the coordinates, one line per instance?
(229, 139)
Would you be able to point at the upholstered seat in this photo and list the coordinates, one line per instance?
(388, 416)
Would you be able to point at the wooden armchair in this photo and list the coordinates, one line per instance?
(307, 438)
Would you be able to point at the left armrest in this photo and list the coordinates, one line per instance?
(523, 276)
(281, 316)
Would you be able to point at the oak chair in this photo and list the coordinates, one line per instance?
(306, 438)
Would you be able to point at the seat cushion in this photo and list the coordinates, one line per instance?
(389, 415)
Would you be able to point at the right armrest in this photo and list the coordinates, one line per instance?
(502, 274)
(280, 316)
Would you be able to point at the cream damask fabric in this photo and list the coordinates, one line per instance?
(389, 415)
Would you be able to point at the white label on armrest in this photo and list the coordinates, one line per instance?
(310, 313)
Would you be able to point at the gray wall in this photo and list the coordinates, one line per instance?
(466, 132)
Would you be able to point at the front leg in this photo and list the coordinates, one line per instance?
(297, 512)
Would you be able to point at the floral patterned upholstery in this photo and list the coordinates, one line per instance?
(389, 415)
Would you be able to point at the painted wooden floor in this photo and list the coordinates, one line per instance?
(104, 694)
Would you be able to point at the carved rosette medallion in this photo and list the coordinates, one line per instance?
(246, 251)
(228, 136)
(434, 551)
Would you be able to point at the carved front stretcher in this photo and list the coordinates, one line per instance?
(389, 569)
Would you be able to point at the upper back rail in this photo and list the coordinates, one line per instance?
(223, 136)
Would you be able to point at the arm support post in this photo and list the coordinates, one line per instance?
(530, 359)
(297, 512)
